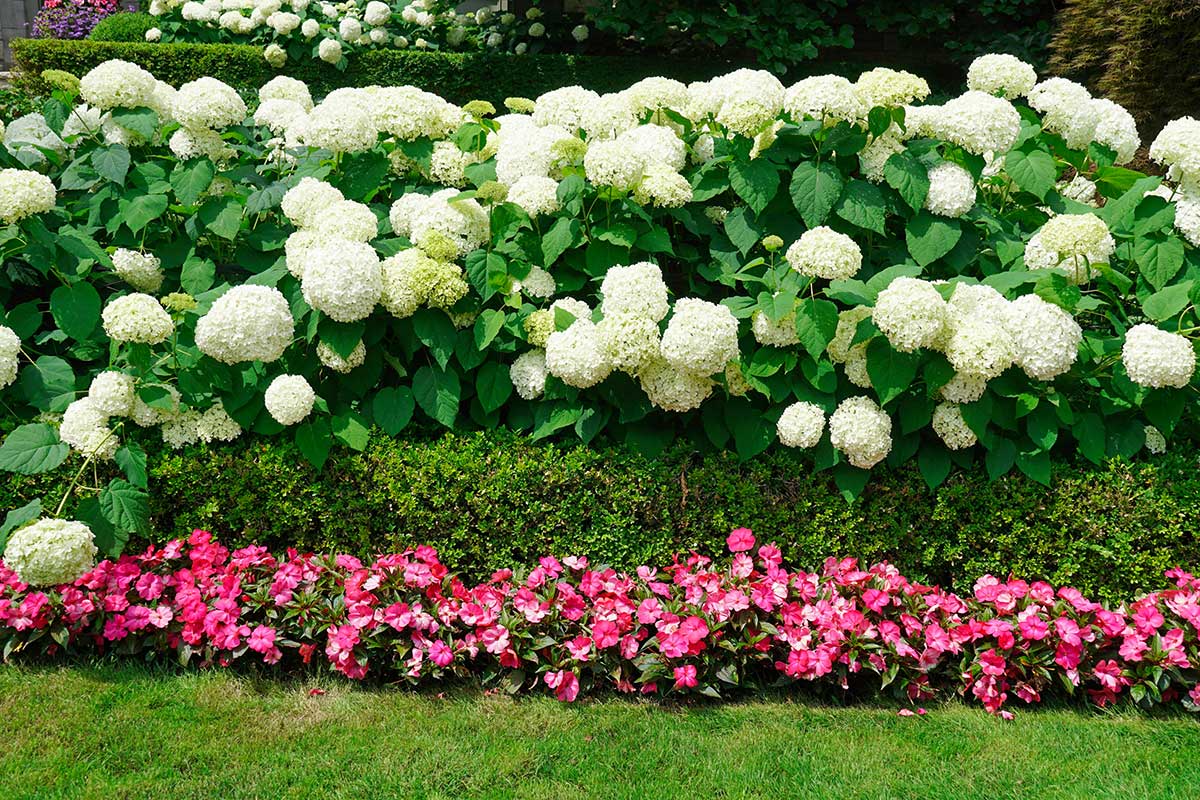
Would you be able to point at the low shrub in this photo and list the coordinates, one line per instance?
(490, 499)
(128, 26)
(690, 627)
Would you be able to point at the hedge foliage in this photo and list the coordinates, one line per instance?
(123, 27)
(487, 500)
(1139, 53)
(458, 77)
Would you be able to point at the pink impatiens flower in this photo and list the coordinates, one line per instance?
(685, 677)
(564, 683)
(740, 540)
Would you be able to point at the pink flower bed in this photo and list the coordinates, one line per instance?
(695, 626)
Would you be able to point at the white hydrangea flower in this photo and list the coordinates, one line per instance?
(528, 374)
(147, 416)
(747, 100)
(289, 399)
(673, 389)
(628, 340)
(342, 279)
(701, 337)
(51, 552)
(536, 194)
(207, 103)
(875, 155)
(609, 163)
(1079, 189)
(1177, 146)
(215, 425)
(951, 190)
(577, 355)
(377, 13)
(801, 425)
(611, 116)
(862, 431)
(822, 252)
(825, 98)
(979, 123)
(951, 428)
(776, 333)
(636, 290)
(24, 193)
(247, 323)
(1156, 443)
(964, 387)
(349, 219)
(448, 164)
(188, 143)
(911, 313)
(1002, 74)
(137, 318)
(117, 84)
(1066, 109)
(565, 107)
(428, 219)
(888, 87)
(1157, 358)
(662, 187)
(280, 115)
(1116, 129)
(281, 87)
(1046, 337)
(839, 346)
(981, 346)
(10, 348)
(1071, 244)
(142, 271)
(330, 358)
(342, 124)
(111, 393)
(330, 51)
(85, 428)
(307, 204)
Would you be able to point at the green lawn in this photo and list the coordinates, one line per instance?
(127, 732)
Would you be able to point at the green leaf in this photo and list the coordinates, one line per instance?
(342, 337)
(1090, 435)
(862, 204)
(126, 506)
(437, 332)
(76, 309)
(563, 235)
(933, 460)
(48, 384)
(1055, 288)
(493, 385)
(930, 237)
(890, 370)
(197, 275)
(131, 458)
(816, 323)
(222, 216)
(112, 162)
(314, 440)
(487, 325)
(814, 190)
(362, 174)
(18, 517)
(109, 540)
(263, 200)
(755, 181)
(192, 180)
(1001, 456)
(142, 210)
(752, 432)
(1158, 258)
(392, 408)
(1169, 302)
(908, 176)
(1031, 169)
(1035, 465)
(438, 393)
(142, 121)
(351, 430)
(56, 113)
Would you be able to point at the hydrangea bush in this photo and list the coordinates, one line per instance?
(333, 32)
(832, 265)
(693, 627)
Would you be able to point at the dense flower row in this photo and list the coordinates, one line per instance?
(693, 626)
(332, 32)
(835, 265)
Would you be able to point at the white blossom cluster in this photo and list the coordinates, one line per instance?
(861, 430)
(142, 271)
(137, 318)
(411, 279)
(431, 221)
(10, 349)
(1069, 109)
(24, 193)
(289, 399)
(1001, 74)
(951, 428)
(1157, 358)
(247, 323)
(822, 252)
(801, 425)
(1072, 244)
(51, 552)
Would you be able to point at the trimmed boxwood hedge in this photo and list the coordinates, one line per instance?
(458, 77)
(493, 499)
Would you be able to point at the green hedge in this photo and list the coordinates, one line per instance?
(488, 500)
(123, 27)
(459, 77)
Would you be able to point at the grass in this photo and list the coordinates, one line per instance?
(133, 732)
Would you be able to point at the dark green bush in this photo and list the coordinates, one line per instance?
(125, 26)
(489, 500)
(1139, 53)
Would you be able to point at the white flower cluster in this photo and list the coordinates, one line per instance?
(137, 318)
(1157, 358)
(1072, 244)
(1177, 146)
(822, 252)
(51, 552)
(289, 399)
(412, 279)
(118, 84)
(828, 98)
(528, 374)
(24, 193)
(701, 337)
(951, 428)
(10, 349)
(1069, 109)
(862, 431)
(431, 221)
(85, 428)
(142, 271)
(801, 425)
(911, 313)
(951, 190)
(247, 323)
(1001, 74)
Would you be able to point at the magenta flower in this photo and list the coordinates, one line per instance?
(740, 540)
(685, 677)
